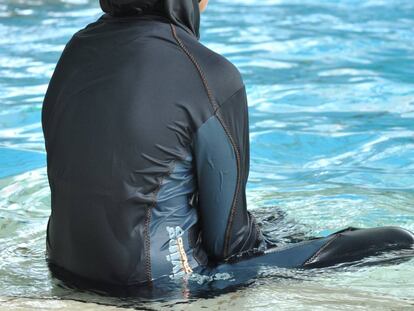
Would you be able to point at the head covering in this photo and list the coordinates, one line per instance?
(184, 13)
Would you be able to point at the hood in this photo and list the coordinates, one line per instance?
(184, 13)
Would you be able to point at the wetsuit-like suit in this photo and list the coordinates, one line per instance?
(147, 141)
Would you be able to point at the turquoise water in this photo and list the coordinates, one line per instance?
(331, 103)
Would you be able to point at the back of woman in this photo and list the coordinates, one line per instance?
(146, 134)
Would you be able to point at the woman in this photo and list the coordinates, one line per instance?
(147, 141)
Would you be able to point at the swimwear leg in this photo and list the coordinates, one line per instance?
(353, 244)
(346, 245)
(343, 246)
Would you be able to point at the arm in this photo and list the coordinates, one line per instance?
(221, 150)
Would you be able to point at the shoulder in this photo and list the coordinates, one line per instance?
(223, 77)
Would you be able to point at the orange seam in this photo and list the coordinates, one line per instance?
(195, 63)
(148, 220)
(236, 151)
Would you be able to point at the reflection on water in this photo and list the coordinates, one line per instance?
(331, 97)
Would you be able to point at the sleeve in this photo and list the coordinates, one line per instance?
(221, 150)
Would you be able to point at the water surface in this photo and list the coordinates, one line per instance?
(331, 103)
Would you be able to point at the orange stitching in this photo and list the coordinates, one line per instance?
(148, 245)
(236, 151)
(200, 72)
(148, 220)
(233, 206)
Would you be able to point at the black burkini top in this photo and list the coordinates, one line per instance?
(147, 141)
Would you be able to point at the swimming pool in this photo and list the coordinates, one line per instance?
(331, 103)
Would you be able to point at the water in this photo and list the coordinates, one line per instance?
(331, 99)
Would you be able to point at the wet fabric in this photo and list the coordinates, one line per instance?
(146, 133)
(147, 139)
(349, 246)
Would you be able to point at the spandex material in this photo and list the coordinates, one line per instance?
(147, 140)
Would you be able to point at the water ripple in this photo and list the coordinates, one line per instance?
(331, 102)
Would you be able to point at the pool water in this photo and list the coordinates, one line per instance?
(331, 103)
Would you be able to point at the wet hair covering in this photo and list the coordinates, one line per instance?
(184, 13)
